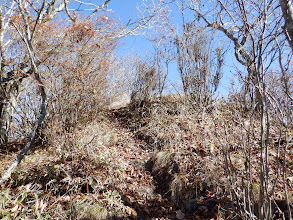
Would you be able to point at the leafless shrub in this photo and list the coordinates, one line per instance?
(199, 65)
(78, 80)
(26, 111)
(144, 84)
(257, 177)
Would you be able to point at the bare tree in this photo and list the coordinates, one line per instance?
(246, 24)
(144, 83)
(255, 29)
(287, 9)
(200, 65)
(164, 48)
(21, 21)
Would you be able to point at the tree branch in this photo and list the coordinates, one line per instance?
(98, 9)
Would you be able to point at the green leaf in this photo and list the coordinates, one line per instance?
(23, 197)
(77, 144)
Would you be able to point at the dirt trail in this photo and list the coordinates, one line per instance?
(143, 191)
(139, 188)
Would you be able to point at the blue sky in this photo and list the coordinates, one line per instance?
(124, 10)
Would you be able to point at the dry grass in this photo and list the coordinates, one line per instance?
(140, 164)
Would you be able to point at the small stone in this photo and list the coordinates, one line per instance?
(180, 215)
(203, 208)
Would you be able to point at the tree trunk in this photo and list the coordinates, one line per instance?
(8, 102)
(6, 113)
(4, 122)
(287, 9)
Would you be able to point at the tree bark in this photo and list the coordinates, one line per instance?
(287, 10)
(9, 91)
(8, 101)
(7, 107)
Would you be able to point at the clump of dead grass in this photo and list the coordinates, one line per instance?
(53, 183)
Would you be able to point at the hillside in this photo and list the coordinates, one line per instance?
(147, 109)
(163, 161)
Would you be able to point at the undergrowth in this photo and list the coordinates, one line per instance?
(162, 161)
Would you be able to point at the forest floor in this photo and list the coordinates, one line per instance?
(129, 164)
